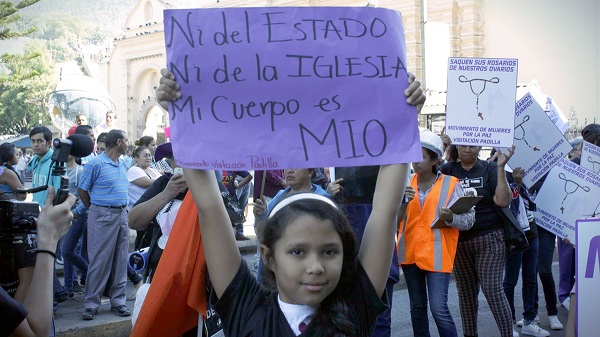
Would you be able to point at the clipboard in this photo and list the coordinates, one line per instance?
(461, 205)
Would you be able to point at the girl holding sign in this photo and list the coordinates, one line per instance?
(325, 285)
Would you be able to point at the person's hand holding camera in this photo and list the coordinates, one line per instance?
(52, 223)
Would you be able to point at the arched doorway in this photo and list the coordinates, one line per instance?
(154, 123)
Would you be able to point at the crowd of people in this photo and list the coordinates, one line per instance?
(325, 265)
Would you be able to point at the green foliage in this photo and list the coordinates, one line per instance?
(23, 81)
(59, 28)
(9, 15)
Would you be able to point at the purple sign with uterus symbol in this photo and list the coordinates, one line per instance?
(280, 87)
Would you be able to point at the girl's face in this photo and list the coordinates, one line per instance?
(144, 159)
(424, 166)
(307, 260)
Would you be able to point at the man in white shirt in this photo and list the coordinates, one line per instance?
(107, 125)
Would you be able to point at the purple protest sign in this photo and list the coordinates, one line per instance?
(274, 87)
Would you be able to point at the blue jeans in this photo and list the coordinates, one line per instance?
(59, 289)
(243, 194)
(69, 246)
(528, 259)
(422, 285)
(545, 256)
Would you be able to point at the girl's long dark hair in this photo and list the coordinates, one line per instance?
(332, 318)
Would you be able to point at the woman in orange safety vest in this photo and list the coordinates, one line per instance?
(427, 254)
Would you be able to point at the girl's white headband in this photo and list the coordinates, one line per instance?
(300, 196)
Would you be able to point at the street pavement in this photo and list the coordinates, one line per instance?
(69, 323)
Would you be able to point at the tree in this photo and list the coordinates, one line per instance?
(23, 77)
(9, 15)
(23, 81)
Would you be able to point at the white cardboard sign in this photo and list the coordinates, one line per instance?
(590, 157)
(570, 192)
(539, 143)
(480, 102)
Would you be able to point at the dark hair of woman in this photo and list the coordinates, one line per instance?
(332, 315)
(138, 150)
(452, 153)
(7, 152)
(591, 134)
(101, 137)
(144, 141)
(433, 156)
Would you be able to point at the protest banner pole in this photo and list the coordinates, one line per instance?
(262, 184)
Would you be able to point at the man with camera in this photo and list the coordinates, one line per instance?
(34, 316)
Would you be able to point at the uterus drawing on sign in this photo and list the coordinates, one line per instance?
(478, 88)
(520, 133)
(570, 188)
(595, 165)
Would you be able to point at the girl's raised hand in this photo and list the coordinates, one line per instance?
(414, 94)
(168, 90)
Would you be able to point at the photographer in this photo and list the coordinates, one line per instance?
(34, 316)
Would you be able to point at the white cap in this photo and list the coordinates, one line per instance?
(433, 142)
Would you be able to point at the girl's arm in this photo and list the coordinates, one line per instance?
(378, 241)
(220, 249)
(25, 276)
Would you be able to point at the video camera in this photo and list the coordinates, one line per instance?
(18, 218)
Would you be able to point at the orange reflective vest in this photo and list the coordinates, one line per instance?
(431, 249)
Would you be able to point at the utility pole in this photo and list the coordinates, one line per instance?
(423, 22)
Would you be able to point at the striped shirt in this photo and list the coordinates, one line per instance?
(105, 181)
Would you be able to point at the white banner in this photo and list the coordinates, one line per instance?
(539, 143)
(570, 192)
(480, 102)
(590, 157)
